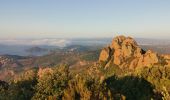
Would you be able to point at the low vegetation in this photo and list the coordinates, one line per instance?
(59, 83)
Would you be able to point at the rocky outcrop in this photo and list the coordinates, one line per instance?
(125, 52)
(105, 54)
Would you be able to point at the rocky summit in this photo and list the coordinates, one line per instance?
(126, 53)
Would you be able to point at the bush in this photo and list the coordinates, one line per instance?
(51, 83)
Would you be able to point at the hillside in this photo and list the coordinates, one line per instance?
(77, 57)
(120, 71)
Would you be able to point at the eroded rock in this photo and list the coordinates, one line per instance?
(125, 52)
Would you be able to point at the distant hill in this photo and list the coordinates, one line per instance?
(36, 50)
(17, 47)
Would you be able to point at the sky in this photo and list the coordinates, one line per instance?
(84, 18)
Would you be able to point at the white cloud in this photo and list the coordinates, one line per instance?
(49, 42)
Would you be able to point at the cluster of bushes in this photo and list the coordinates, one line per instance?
(159, 77)
(58, 83)
(90, 56)
(53, 84)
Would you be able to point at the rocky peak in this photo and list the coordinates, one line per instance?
(119, 41)
(125, 52)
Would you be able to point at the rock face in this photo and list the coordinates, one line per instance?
(126, 53)
(105, 54)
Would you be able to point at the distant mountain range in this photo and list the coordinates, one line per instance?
(21, 46)
(79, 41)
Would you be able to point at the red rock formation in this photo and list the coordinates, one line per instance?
(125, 52)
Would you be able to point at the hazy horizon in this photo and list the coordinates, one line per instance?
(84, 19)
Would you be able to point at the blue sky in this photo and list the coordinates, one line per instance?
(84, 18)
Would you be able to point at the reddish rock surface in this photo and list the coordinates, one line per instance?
(125, 52)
